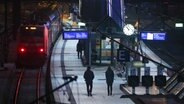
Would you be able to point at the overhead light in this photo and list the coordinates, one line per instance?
(178, 24)
(138, 64)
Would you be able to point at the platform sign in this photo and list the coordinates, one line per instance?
(146, 70)
(75, 35)
(153, 35)
(160, 70)
(123, 55)
(133, 72)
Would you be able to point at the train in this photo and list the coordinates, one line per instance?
(37, 35)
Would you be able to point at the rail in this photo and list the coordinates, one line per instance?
(38, 84)
(71, 79)
(18, 87)
(28, 83)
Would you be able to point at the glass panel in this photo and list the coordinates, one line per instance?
(106, 48)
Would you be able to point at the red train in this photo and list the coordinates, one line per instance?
(36, 37)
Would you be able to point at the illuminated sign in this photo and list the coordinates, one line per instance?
(72, 35)
(153, 35)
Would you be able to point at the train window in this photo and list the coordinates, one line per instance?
(36, 32)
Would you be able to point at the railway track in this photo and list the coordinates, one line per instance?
(22, 86)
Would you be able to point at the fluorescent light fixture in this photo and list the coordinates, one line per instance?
(138, 64)
(178, 24)
(33, 28)
(81, 24)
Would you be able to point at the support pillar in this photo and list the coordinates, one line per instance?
(16, 17)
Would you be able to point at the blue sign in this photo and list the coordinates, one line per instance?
(146, 70)
(133, 72)
(123, 55)
(160, 70)
(153, 35)
(72, 35)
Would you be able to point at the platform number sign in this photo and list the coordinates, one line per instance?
(123, 55)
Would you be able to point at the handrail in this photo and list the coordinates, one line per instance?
(71, 79)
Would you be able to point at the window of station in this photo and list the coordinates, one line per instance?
(106, 48)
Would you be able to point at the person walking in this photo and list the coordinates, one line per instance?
(79, 50)
(89, 76)
(109, 74)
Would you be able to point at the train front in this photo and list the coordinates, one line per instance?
(31, 48)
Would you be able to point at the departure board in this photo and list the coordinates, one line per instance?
(72, 35)
(153, 36)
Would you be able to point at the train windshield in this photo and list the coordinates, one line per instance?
(31, 32)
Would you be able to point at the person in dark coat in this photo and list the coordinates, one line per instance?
(89, 76)
(79, 50)
(109, 74)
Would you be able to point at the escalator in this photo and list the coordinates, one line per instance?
(173, 81)
(175, 87)
(180, 95)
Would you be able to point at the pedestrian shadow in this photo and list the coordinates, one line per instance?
(114, 94)
(87, 94)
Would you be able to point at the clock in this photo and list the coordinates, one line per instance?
(128, 29)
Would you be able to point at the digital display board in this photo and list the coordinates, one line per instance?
(153, 35)
(72, 35)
